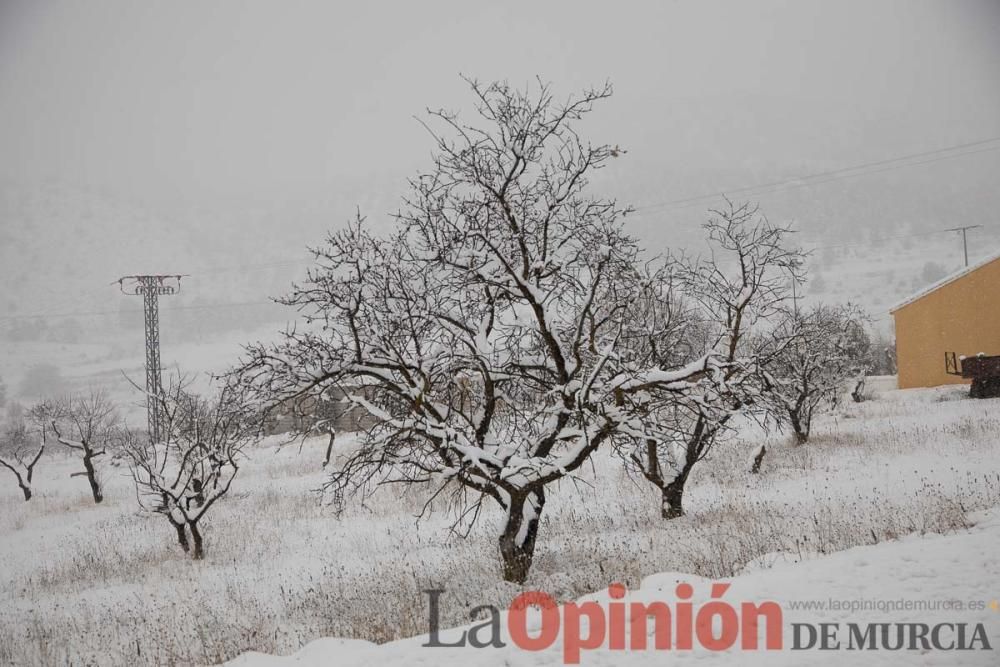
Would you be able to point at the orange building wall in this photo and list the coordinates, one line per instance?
(962, 316)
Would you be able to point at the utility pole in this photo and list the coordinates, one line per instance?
(795, 283)
(151, 287)
(965, 244)
(795, 297)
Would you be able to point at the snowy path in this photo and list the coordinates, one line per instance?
(963, 566)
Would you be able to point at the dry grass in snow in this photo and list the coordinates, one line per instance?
(87, 584)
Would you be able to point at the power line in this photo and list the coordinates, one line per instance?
(790, 183)
(887, 164)
(878, 240)
(263, 265)
(243, 304)
(91, 313)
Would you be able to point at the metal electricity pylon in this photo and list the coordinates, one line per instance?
(151, 287)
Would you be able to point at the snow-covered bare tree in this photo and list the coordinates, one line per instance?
(326, 423)
(86, 424)
(319, 417)
(193, 466)
(820, 350)
(724, 297)
(23, 441)
(20, 451)
(39, 418)
(485, 335)
(868, 355)
(883, 354)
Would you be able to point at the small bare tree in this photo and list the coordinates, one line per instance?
(193, 466)
(743, 283)
(319, 417)
(326, 423)
(39, 417)
(86, 424)
(20, 451)
(820, 351)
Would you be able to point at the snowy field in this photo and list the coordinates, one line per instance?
(108, 365)
(910, 569)
(86, 584)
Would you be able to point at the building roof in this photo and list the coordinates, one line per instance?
(945, 281)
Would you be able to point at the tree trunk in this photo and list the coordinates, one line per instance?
(95, 487)
(859, 391)
(199, 551)
(517, 542)
(672, 500)
(672, 495)
(24, 486)
(182, 537)
(757, 460)
(799, 426)
(329, 450)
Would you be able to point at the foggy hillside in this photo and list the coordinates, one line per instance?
(219, 141)
(875, 235)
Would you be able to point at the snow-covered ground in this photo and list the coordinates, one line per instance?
(87, 584)
(929, 571)
(108, 365)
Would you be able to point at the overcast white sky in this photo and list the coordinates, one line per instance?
(245, 98)
(307, 108)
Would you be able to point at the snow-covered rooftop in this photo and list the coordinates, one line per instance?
(944, 281)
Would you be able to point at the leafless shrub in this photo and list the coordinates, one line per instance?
(20, 453)
(86, 424)
(815, 354)
(193, 466)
